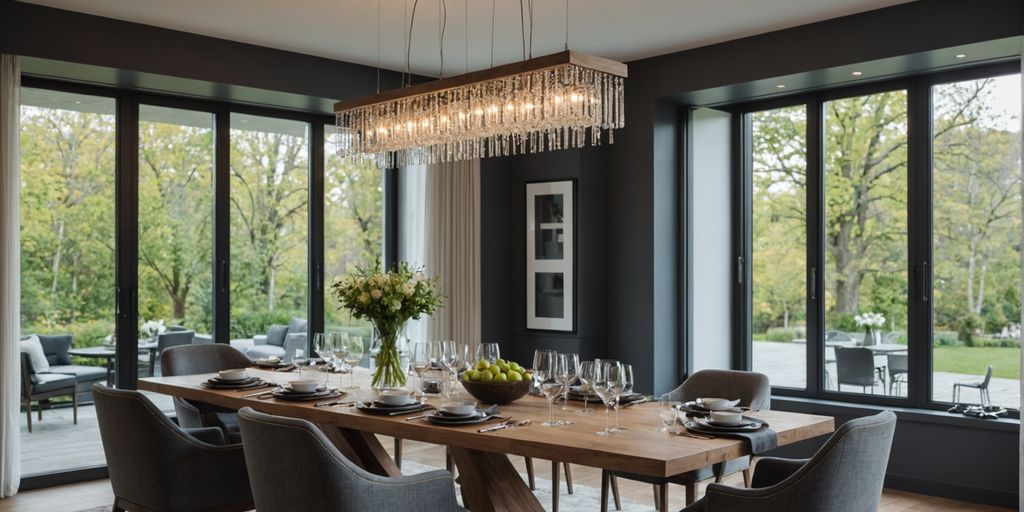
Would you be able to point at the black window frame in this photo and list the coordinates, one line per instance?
(128, 102)
(919, 225)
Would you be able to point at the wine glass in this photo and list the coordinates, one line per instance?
(667, 411)
(355, 354)
(339, 346)
(548, 374)
(572, 365)
(608, 385)
(420, 362)
(323, 348)
(489, 352)
(627, 388)
(299, 359)
(586, 375)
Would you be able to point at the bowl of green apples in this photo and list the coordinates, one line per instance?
(499, 383)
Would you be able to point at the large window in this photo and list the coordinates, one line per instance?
(353, 226)
(67, 260)
(976, 241)
(885, 238)
(269, 222)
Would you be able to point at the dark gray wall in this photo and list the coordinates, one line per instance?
(503, 251)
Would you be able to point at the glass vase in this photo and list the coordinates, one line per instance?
(388, 372)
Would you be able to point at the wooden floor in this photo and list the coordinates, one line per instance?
(75, 497)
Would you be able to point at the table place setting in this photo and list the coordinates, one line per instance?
(304, 391)
(237, 379)
(453, 414)
(393, 403)
(721, 417)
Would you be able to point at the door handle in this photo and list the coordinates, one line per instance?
(924, 281)
(814, 283)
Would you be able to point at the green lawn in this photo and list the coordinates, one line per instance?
(973, 360)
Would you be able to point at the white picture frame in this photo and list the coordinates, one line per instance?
(550, 256)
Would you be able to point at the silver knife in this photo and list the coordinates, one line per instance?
(268, 392)
(505, 424)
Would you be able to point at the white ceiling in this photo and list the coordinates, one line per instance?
(347, 29)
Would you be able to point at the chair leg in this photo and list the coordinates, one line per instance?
(530, 476)
(555, 489)
(691, 492)
(39, 404)
(747, 474)
(117, 506)
(449, 464)
(398, 452)
(605, 483)
(28, 411)
(615, 491)
(74, 407)
(568, 476)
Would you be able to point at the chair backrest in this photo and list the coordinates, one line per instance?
(752, 389)
(856, 366)
(845, 475)
(897, 363)
(276, 446)
(173, 339)
(56, 347)
(988, 378)
(135, 435)
(837, 336)
(208, 358)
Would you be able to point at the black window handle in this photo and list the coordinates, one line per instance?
(814, 283)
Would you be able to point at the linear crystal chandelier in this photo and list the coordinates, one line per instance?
(563, 100)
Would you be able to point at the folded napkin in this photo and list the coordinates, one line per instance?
(288, 368)
(759, 441)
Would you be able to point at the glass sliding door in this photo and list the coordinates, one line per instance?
(353, 227)
(779, 245)
(865, 239)
(175, 229)
(976, 240)
(269, 228)
(67, 234)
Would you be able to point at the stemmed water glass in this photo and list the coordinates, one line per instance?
(420, 362)
(586, 375)
(608, 384)
(299, 359)
(571, 370)
(489, 352)
(549, 369)
(627, 388)
(339, 344)
(355, 354)
(322, 346)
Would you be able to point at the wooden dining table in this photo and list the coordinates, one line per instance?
(489, 480)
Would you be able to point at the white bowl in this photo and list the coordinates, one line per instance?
(395, 397)
(726, 417)
(304, 386)
(717, 404)
(459, 408)
(236, 374)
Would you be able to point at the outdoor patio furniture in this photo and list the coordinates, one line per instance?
(193, 359)
(108, 354)
(845, 475)
(980, 385)
(156, 465)
(36, 387)
(280, 341)
(57, 348)
(752, 389)
(174, 337)
(275, 446)
(856, 367)
(897, 365)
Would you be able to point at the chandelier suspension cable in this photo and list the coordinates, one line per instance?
(522, 27)
(465, 21)
(566, 25)
(408, 43)
(442, 23)
(378, 46)
(531, 28)
(492, 33)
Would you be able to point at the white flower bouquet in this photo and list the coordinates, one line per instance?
(869, 320)
(152, 328)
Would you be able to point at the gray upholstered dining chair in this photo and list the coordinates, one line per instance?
(845, 475)
(752, 389)
(157, 466)
(898, 365)
(980, 385)
(193, 359)
(293, 466)
(856, 367)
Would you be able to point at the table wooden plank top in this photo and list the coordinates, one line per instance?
(641, 450)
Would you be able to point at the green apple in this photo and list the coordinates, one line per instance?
(482, 364)
(502, 366)
(486, 376)
(514, 376)
(470, 375)
(501, 377)
(494, 370)
(515, 367)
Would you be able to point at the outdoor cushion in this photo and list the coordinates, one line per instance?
(265, 351)
(34, 349)
(297, 325)
(83, 373)
(276, 334)
(56, 347)
(52, 382)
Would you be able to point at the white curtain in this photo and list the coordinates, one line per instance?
(439, 214)
(10, 279)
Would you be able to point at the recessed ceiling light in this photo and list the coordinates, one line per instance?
(857, 73)
(78, 102)
(961, 55)
(780, 86)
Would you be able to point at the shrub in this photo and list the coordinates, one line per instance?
(945, 339)
(967, 328)
(782, 334)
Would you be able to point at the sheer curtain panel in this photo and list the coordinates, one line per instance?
(10, 278)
